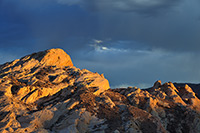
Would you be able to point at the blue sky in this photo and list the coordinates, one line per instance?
(133, 42)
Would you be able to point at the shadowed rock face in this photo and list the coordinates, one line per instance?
(43, 92)
(195, 87)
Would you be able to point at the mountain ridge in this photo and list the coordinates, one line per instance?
(195, 87)
(45, 93)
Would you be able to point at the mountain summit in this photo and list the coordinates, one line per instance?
(44, 93)
(53, 57)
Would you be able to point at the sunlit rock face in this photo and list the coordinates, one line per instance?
(44, 93)
(52, 57)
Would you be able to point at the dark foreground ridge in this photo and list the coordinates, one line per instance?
(44, 93)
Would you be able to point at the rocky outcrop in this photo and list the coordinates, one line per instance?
(195, 87)
(43, 92)
(53, 57)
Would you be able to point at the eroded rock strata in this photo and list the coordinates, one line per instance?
(43, 93)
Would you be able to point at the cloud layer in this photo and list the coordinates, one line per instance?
(134, 42)
(140, 6)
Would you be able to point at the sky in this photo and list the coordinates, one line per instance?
(133, 42)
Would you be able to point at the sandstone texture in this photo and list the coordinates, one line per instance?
(44, 93)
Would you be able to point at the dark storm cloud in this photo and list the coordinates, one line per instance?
(139, 6)
(49, 24)
(167, 24)
(43, 24)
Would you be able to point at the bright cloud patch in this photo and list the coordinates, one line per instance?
(99, 47)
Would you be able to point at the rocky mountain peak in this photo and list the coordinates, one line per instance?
(53, 57)
(44, 93)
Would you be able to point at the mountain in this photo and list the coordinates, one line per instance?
(195, 87)
(44, 93)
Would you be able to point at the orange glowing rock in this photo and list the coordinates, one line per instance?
(43, 92)
(53, 57)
